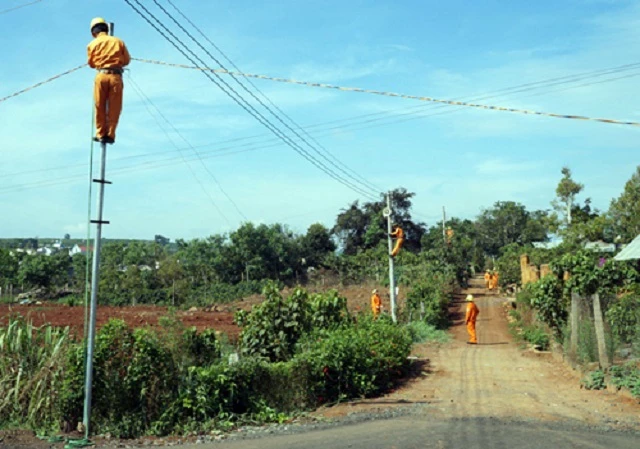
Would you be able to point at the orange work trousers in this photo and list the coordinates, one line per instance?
(396, 249)
(471, 329)
(107, 94)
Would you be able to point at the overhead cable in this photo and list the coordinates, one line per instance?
(146, 101)
(406, 96)
(184, 139)
(48, 80)
(238, 99)
(321, 149)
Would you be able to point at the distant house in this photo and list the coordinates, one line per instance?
(77, 249)
(600, 247)
(547, 245)
(45, 251)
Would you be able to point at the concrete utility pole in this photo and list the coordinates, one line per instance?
(444, 220)
(392, 280)
(95, 278)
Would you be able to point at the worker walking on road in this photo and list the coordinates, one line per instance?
(376, 303)
(470, 320)
(487, 280)
(108, 55)
(494, 280)
(398, 234)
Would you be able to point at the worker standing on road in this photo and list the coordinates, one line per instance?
(108, 55)
(398, 234)
(376, 303)
(494, 280)
(487, 280)
(470, 320)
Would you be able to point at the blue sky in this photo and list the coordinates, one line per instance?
(465, 159)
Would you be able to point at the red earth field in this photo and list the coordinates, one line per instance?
(219, 317)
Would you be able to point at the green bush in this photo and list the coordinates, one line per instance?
(626, 376)
(134, 378)
(536, 336)
(272, 329)
(623, 315)
(355, 361)
(546, 297)
(430, 298)
(594, 380)
(422, 332)
(222, 395)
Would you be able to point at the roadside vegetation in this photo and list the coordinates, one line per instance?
(302, 349)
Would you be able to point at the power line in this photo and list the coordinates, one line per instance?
(19, 7)
(409, 97)
(269, 109)
(224, 151)
(238, 99)
(340, 165)
(213, 177)
(48, 80)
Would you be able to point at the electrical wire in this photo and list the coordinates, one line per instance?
(175, 130)
(5, 11)
(412, 97)
(415, 112)
(321, 149)
(238, 99)
(146, 100)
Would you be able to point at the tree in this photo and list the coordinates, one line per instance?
(316, 244)
(509, 222)
(350, 228)
(361, 228)
(44, 271)
(162, 240)
(566, 192)
(67, 236)
(624, 211)
(8, 267)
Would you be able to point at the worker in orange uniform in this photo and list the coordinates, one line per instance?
(108, 55)
(494, 280)
(449, 236)
(470, 320)
(376, 303)
(487, 280)
(398, 234)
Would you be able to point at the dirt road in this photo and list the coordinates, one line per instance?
(497, 379)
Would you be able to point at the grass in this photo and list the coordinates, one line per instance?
(422, 332)
(30, 371)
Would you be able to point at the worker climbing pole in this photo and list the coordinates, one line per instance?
(397, 234)
(108, 55)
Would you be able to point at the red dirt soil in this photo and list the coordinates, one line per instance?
(218, 317)
(135, 316)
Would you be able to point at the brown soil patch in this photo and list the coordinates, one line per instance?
(135, 316)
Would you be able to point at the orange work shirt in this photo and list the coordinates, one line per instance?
(472, 312)
(107, 52)
(398, 233)
(376, 302)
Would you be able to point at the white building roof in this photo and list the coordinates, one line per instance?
(631, 251)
